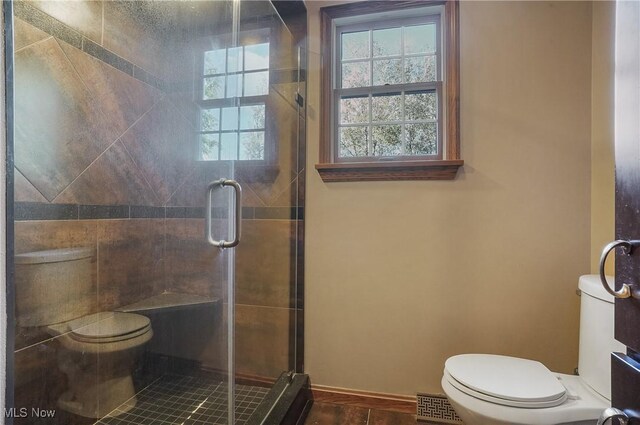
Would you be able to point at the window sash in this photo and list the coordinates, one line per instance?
(382, 90)
(379, 25)
(233, 103)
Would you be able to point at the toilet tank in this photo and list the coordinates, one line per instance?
(596, 335)
(53, 286)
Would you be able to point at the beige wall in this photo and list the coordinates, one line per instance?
(602, 159)
(402, 275)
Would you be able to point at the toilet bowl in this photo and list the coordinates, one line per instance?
(100, 351)
(498, 390)
(487, 389)
(97, 351)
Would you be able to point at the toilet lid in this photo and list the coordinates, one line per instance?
(109, 326)
(505, 380)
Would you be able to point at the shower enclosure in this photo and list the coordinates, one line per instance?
(142, 135)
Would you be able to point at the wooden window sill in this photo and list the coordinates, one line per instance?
(389, 170)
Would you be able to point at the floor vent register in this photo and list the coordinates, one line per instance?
(436, 408)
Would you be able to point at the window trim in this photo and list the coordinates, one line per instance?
(406, 167)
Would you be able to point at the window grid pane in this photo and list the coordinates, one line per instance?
(355, 45)
(387, 42)
(390, 124)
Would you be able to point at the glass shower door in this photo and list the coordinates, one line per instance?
(250, 125)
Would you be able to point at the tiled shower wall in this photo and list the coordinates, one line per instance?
(105, 158)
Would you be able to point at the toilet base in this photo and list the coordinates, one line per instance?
(99, 375)
(583, 409)
(99, 400)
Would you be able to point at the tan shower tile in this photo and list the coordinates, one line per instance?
(84, 16)
(130, 33)
(192, 265)
(163, 146)
(264, 263)
(113, 179)
(41, 235)
(249, 197)
(192, 191)
(59, 127)
(130, 261)
(289, 197)
(262, 340)
(285, 56)
(26, 34)
(121, 97)
(24, 191)
(182, 95)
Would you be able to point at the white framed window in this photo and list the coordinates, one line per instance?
(228, 131)
(388, 88)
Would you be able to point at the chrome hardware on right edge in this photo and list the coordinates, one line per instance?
(627, 248)
(612, 413)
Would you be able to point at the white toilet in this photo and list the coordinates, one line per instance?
(494, 390)
(54, 291)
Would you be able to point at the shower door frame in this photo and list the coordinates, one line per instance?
(7, 211)
(293, 17)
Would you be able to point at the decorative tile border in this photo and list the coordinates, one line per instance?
(25, 211)
(53, 27)
(436, 408)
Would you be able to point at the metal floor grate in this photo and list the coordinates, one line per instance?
(186, 400)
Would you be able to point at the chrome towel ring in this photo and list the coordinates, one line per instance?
(627, 248)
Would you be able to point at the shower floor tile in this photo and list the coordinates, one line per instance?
(186, 400)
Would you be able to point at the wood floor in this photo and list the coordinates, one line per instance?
(339, 414)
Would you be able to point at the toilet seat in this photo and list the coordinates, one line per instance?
(506, 381)
(108, 327)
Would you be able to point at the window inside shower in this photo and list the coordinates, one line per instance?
(235, 132)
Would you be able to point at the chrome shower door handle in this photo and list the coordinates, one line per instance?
(611, 413)
(237, 213)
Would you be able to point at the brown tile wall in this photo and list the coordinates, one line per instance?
(89, 133)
